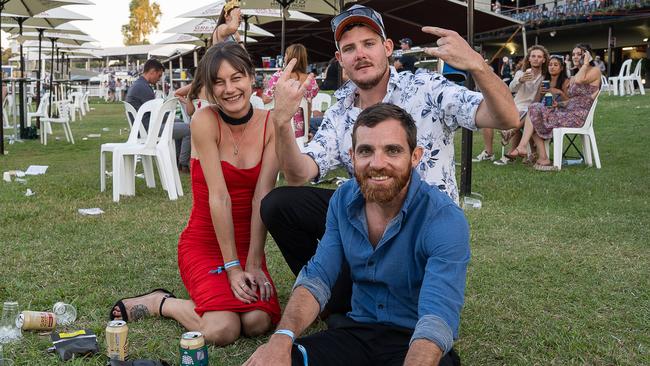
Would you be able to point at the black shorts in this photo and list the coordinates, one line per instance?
(358, 344)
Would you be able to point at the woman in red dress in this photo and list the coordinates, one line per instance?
(221, 251)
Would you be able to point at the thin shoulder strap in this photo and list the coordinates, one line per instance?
(264, 138)
(218, 123)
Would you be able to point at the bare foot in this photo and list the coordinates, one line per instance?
(141, 307)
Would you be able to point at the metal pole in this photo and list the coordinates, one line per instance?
(51, 77)
(466, 146)
(609, 52)
(21, 84)
(524, 40)
(2, 128)
(196, 59)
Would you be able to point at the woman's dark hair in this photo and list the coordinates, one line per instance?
(586, 47)
(206, 72)
(562, 76)
(374, 115)
(222, 16)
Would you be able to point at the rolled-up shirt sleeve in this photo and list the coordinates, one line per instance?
(324, 147)
(322, 270)
(443, 289)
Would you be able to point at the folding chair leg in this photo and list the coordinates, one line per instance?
(164, 166)
(594, 147)
(147, 167)
(102, 171)
(117, 175)
(587, 150)
(558, 140)
(128, 178)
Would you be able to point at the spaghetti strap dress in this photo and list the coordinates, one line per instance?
(574, 114)
(199, 255)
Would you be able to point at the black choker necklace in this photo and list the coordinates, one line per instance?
(237, 121)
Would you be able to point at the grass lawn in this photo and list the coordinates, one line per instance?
(559, 275)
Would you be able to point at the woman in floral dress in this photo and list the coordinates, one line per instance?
(541, 120)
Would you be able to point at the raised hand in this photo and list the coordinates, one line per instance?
(288, 94)
(240, 285)
(454, 50)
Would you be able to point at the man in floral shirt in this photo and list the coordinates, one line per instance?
(295, 215)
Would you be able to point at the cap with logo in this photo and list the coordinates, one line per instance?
(357, 14)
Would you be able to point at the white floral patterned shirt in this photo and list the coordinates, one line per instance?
(437, 105)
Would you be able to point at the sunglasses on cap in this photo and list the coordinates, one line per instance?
(559, 57)
(358, 15)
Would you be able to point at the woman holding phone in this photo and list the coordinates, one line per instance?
(570, 112)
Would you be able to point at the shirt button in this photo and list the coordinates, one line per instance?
(380, 306)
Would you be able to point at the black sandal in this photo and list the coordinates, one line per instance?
(125, 316)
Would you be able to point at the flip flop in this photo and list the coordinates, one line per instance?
(125, 315)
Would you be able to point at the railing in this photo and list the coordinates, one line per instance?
(574, 11)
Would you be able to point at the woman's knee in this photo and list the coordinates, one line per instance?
(221, 333)
(255, 323)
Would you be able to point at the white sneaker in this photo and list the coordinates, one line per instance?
(503, 161)
(483, 156)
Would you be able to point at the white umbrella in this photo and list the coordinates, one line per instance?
(63, 28)
(250, 16)
(181, 38)
(198, 27)
(22, 8)
(47, 19)
(77, 39)
(329, 7)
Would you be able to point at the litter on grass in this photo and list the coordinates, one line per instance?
(106, 129)
(95, 211)
(94, 135)
(29, 192)
(36, 170)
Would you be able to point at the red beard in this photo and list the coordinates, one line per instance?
(373, 193)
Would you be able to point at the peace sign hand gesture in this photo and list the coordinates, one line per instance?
(288, 94)
(454, 50)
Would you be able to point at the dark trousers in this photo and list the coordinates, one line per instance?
(295, 217)
(359, 344)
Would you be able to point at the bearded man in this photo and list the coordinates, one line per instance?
(295, 215)
(407, 246)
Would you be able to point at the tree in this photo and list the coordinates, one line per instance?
(143, 20)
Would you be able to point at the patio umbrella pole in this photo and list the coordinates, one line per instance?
(2, 129)
(38, 73)
(21, 82)
(466, 145)
(51, 77)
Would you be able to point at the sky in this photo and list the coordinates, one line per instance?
(109, 16)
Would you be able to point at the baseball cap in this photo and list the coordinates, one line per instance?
(358, 14)
(406, 40)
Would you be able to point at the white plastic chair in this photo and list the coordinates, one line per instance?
(151, 107)
(629, 80)
(616, 83)
(63, 107)
(41, 111)
(319, 100)
(604, 85)
(302, 140)
(257, 102)
(588, 139)
(124, 156)
(86, 96)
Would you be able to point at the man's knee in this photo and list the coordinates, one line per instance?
(273, 204)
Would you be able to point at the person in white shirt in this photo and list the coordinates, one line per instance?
(525, 87)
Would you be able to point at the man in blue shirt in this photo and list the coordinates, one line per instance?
(407, 246)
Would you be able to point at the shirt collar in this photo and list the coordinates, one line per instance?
(347, 91)
(356, 204)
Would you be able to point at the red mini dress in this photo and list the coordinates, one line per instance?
(199, 254)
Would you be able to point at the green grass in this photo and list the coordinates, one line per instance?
(560, 261)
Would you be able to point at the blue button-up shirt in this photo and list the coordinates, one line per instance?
(414, 277)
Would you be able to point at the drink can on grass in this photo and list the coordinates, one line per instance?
(36, 320)
(117, 344)
(193, 350)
